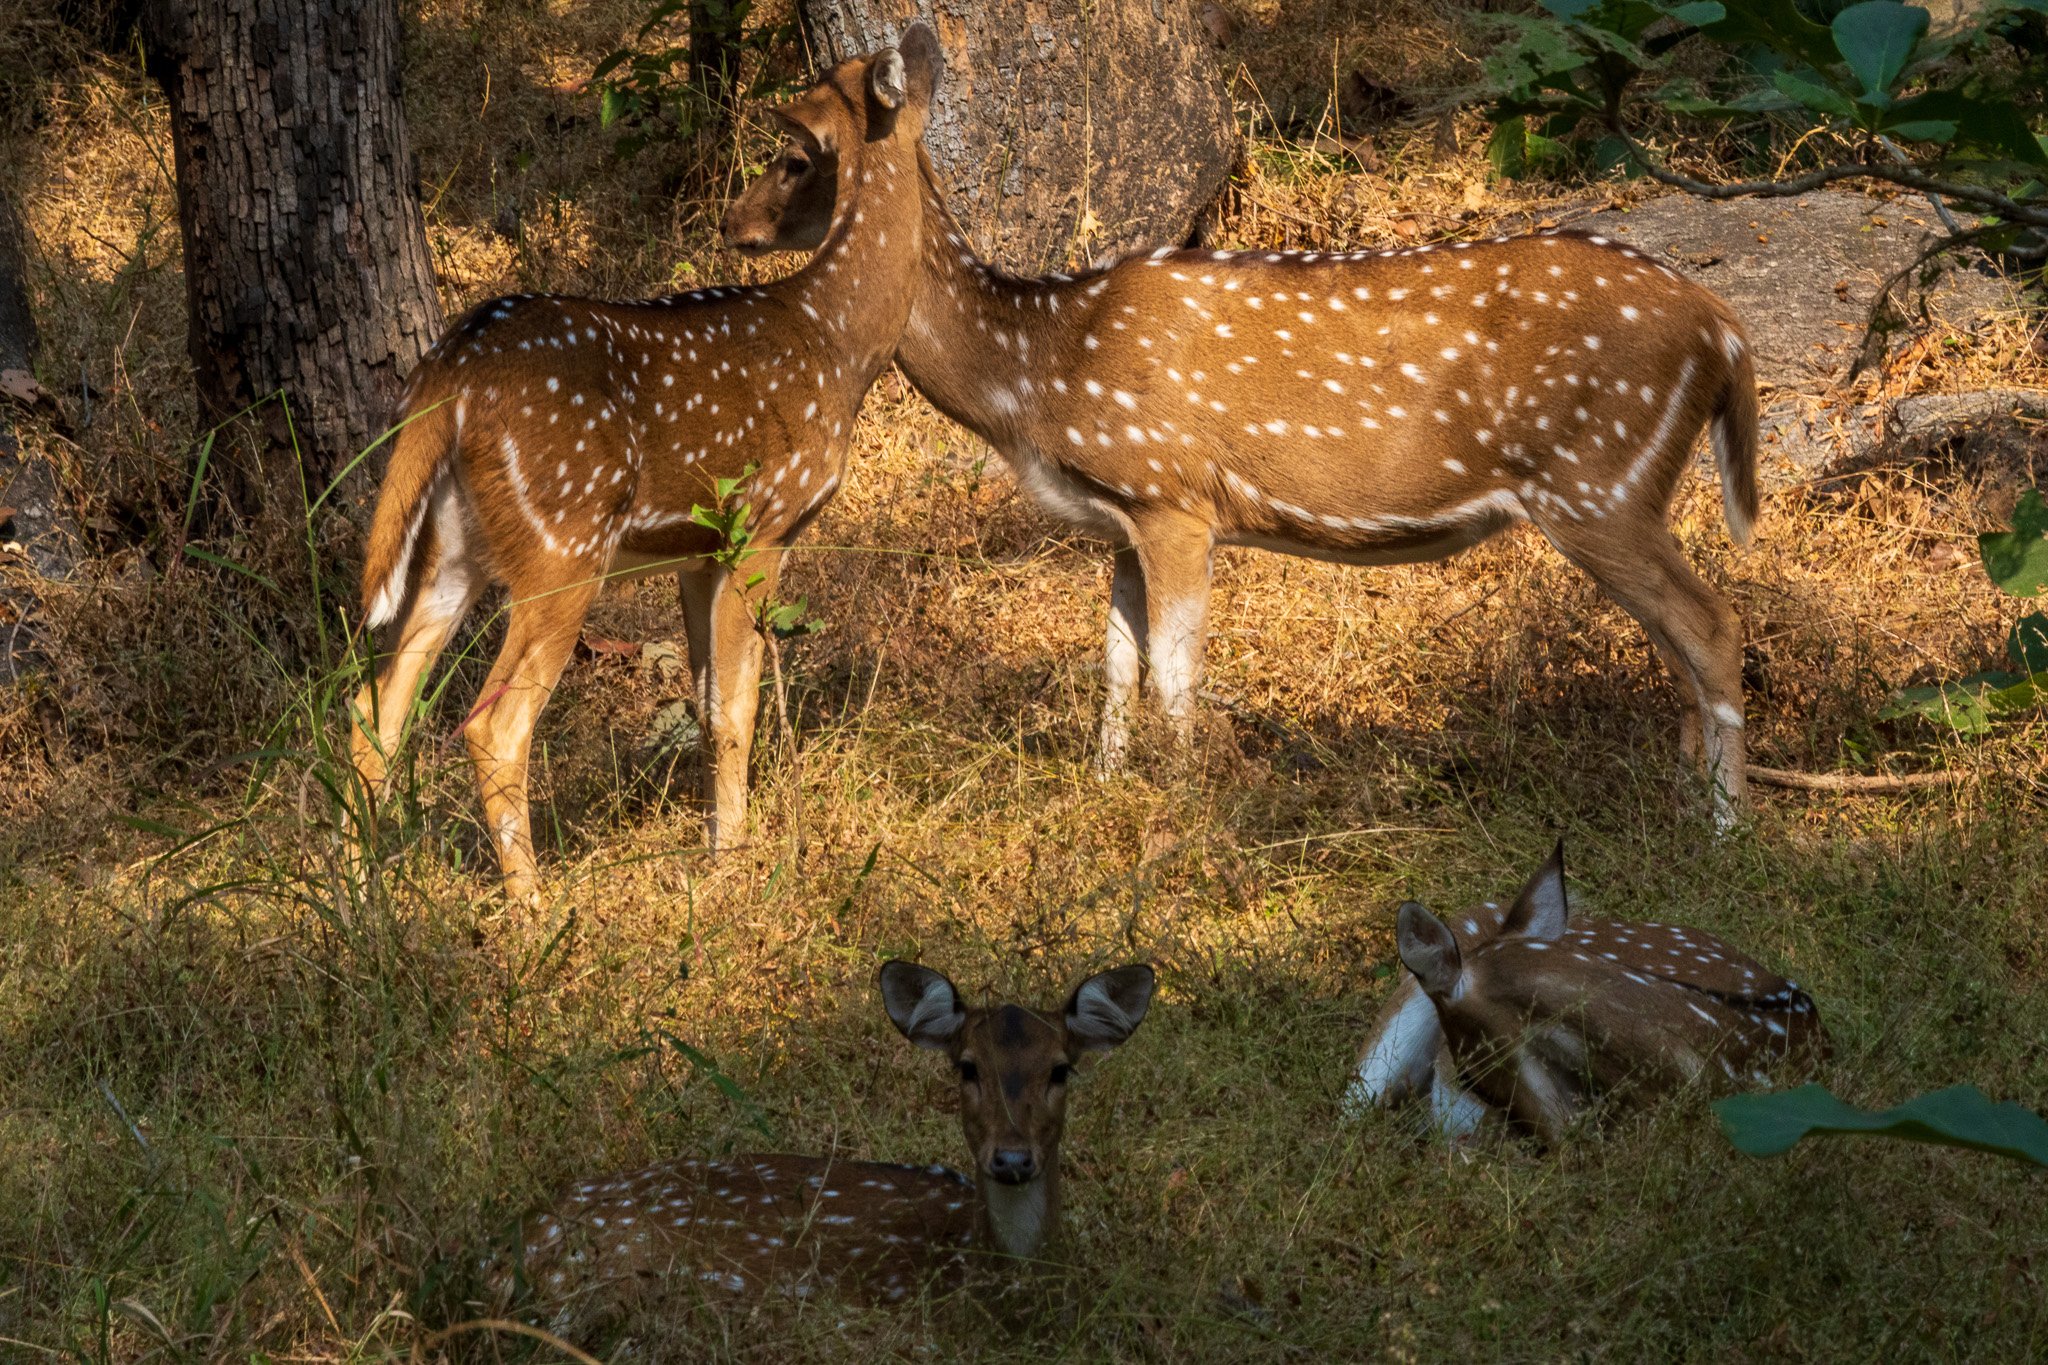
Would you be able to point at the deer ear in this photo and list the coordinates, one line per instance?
(806, 123)
(1429, 950)
(1107, 1008)
(922, 1003)
(887, 81)
(1541, 911)
(924, 61)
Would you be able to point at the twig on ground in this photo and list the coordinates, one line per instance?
(1859, 784)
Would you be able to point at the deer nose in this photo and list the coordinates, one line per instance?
(1011, 1166)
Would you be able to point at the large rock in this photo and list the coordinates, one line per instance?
(1062, 132)
(1802, 273)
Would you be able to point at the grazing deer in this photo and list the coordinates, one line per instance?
(1369, 407)
(548, 443)
(866, 1230)
(1525, 1011)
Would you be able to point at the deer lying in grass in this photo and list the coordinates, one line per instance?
(1365, 407)
(866, 1230)
(549, 443)
(1529, 1013)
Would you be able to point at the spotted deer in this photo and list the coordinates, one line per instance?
(1368, 407)
(1525, 1012)
(548, 443)
(863, 1230)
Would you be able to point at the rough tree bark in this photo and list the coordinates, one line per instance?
(1056, 110)
(32, 512)
(306, 260)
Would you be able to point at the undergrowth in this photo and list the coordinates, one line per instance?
(279, 1068)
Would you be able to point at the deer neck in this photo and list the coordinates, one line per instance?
(1019, 1220)
(856, 288)
(985, 347)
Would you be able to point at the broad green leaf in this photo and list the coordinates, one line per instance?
(1993, 125)
(1814, 96)
(1776, 24)
(1507, 149)
(1920, 130)
(1960, 1116)
(1699, 12)
(1955, 705)
(2028, 644)
(2017, 560)
(1877, 39)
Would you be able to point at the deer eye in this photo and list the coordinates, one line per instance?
(1060, 1073)
(795, 165)
(969, 1073)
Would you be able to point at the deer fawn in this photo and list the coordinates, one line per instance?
(792, 1224)
(547, 443)
(1526, 1012)
(1365, 407)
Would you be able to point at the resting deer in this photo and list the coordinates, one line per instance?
(1525, 1011)
(1365, 407)
(866, 1230)
(548, 443)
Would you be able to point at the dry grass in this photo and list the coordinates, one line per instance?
(259, 1107)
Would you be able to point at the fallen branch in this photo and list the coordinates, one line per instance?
(1860, 784)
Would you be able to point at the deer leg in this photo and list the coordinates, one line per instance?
(1541, 1102)
(539, 638)
(1695, 631)
(722, 614)
(1122, 656)
(448, 588)
(1175, 553)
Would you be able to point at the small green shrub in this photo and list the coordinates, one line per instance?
(2017, 561)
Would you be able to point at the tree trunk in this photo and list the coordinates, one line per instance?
(32, 511)
(306, 262)
(1064, 129)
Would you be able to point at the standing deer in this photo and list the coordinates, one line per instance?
(1525, 1012)
(867, 1230)
(1365, 407)
(549, 443)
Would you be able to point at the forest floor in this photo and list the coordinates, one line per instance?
(255, 1105)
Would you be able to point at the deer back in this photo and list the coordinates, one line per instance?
(794, 1224)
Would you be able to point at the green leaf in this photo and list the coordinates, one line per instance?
(1960, 1116)
(1992, 125)
(2028, 643)
(1920, 130)
(1699, 12)
(1877, 39)
(1507, 150)
(611, 106)
(1778, 25)
(1813, 96)
(2017, 560)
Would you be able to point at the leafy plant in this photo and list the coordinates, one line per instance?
(1960, 1116)
(1942, 115)
(2017, 561)
(774, 619)
(679, 89)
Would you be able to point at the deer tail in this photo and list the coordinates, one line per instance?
(426, 437)
(1734, 432)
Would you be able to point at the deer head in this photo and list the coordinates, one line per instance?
(790, 206)
(1538, 1016)
(1013, 1066)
